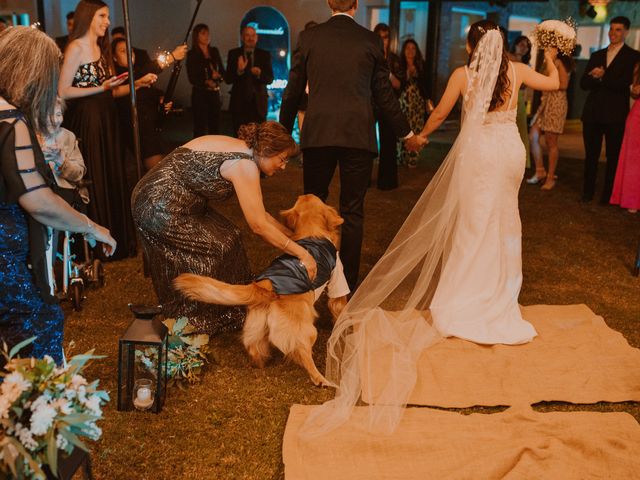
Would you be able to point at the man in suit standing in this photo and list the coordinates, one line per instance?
(249, 70)
(347, 73)
(62, 41)
(607, 77)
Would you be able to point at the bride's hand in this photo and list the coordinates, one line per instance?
(551, 54)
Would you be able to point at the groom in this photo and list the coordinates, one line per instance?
(344, 65)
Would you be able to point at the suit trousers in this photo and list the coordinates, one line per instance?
(388, 160)
(205, 105)
(355, 167)
(592, 134)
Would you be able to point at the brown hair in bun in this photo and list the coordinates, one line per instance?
(268, 139)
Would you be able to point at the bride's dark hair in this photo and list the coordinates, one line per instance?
(476, 32)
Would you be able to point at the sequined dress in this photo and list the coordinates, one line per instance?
(93, 119)
(182, 233)
(26, 308)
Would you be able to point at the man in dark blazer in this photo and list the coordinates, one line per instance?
(347, 74)
(249, 70)
(607, 77)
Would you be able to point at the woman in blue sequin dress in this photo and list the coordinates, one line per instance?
(28, 80)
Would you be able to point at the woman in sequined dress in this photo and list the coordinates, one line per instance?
(28, 80)
(181, 233)
(86, 82)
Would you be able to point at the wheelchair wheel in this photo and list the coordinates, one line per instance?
(76, 293)
(97, 272)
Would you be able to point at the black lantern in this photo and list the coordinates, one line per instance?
(142, 363)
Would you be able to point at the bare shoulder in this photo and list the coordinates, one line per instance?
(218, 143)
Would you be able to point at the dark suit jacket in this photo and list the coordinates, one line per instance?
(347, 73)
(62, 42)
(249, 90)
(608, 98)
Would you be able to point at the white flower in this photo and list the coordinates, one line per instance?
(61, 442)
(13, 386)
(560, 27)
(77, 381)
(5, 405)
(26, 438)
(82, 394)
(93, 405)
(48, 359)
(42, 400)
(62, 405)
(93, 431)
(42, 419)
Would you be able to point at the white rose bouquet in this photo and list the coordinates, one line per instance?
(556, 34)
(45, 409)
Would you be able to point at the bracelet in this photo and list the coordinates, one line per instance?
(174, 58)
(286, 244)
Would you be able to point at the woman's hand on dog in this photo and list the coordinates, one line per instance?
(309, 263)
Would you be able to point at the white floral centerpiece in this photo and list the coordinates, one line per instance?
(556, 34)
(187, 352)
(45, 409)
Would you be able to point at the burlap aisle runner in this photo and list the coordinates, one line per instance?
(576, 358)
(433, 444)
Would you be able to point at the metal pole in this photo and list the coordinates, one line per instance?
(433, 37)
(134, 108)
(394, 24)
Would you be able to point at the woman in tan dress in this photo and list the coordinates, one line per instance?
(549, 120)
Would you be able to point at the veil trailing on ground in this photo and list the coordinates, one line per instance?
(388, 317)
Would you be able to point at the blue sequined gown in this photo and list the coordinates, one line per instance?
(26, 308)
(173, 210)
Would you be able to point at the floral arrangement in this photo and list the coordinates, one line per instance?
(45, 409)
(556, 34)
(187, 352)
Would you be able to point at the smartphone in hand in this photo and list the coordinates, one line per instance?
(122, 75)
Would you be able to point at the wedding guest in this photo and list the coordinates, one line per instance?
(29, 73)
(249, 70)
(143, 59)
(63, 40)
(206, 72)
(181, 231)
(344, 66)
(148, 102)
(549, 119)
(521, 52)
(388, 159)
(413, 96)
(607, 77)
(88, 85)
(626, 187)
(302, 108)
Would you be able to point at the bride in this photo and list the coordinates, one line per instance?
(454, 268)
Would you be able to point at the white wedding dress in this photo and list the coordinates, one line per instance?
(477, 294)
(453, 269)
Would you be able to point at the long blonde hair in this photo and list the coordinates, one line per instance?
(29, 73)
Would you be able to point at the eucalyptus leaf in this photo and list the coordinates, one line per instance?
(52, 451)
(16, 348)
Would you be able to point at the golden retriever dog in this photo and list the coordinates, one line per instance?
(285, 320)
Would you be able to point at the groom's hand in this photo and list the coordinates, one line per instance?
(415, 143)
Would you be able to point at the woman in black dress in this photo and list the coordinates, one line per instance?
(152, 145)
(206, 71)
(181, 233)
(87, 83)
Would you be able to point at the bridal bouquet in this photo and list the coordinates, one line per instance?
(556, 34)
(45, 409)
(187, 352)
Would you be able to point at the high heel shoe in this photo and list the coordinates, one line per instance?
(535, 179)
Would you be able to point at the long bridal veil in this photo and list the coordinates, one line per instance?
(373, 352)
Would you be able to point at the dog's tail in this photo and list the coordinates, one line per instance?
(210, 290)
